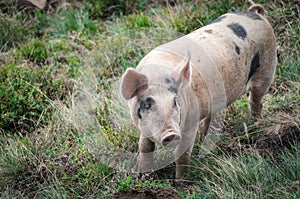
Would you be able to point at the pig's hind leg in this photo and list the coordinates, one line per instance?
(260, 80)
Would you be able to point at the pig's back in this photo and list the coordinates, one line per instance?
(221, 53)
(230, 44)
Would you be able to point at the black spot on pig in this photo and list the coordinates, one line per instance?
(217, 20)
(237, 49)
(254, 65)
(139, 113)
(238, 30)
(171, 85)
(144, 105)
(139, 105)
(251, 15)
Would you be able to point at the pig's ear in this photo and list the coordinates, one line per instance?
(183, 71)
(132, 81)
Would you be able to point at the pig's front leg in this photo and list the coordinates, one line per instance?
(183, 153)
(145, 160)
(183, 165)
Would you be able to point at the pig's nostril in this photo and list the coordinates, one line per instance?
(167, 140)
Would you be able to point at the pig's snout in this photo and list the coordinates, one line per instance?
(171, 139)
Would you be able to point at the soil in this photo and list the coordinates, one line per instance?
(147, 194)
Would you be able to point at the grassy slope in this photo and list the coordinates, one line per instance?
(45, 63)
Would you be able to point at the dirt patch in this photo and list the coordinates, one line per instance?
(147, 194)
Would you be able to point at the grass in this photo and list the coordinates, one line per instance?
(62, 119)
(247, 175)
(11, 34)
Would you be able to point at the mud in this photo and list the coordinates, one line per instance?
(146, 194)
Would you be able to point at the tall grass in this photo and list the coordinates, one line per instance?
(11, 33)
(247, 175)
(289, 68)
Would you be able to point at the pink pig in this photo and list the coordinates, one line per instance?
(178, 87)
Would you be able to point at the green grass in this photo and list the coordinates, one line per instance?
(290, 69)
(247, 175)
(58, 75)
(11, 33)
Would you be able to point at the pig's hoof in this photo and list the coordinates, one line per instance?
(255, 115)
(145, 176)
(182, 183)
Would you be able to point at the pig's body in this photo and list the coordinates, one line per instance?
(233, 53)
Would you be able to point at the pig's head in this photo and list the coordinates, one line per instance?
(154, 102)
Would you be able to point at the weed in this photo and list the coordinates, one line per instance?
(139, 20)
(11, 33)
(68, 21)
(8, 7)
(130, 182)
(35, 51)
(25, 95)
(194, 16)
(22, 103)
(290, 69)
(108, 8)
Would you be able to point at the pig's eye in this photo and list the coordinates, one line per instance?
(175, 102)
(147, 106)
(148, 103)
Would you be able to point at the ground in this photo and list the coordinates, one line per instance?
(146, 194)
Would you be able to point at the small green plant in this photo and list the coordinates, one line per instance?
(72, 20)
(8, 7)
(139, 20)
(121, 137)
(94, 8)
(35, 51)
(108, 8)
(41, 25)
(195, 16)
(125, 183)
(25, 95)
(11, 33)
(290, 69)
(188, 20)
(21, 102)
(129, 182)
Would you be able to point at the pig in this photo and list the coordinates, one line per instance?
(178, 87)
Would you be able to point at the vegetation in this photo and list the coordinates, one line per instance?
(61, 118)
